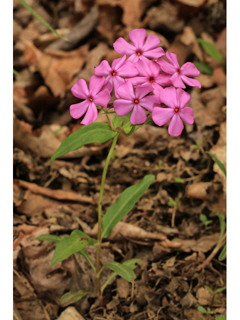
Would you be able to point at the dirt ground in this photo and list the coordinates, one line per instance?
(165, 228)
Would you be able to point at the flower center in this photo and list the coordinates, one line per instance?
(176, 110)
(151, 79)
(114, 73)
(90, 99)
(138, 53)
(136, 101)
(178, 71)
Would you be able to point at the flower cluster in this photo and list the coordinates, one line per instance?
(139, 84)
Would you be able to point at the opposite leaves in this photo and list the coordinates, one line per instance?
(94, 132)
(124, 204)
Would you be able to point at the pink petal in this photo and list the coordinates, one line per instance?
(189, 70)
(186, 114)
(162, 115)
(172, 58)
(154, 53)
(78, 109)
(138, 115)
(155, 68)
(102, 98)
(108, 84)
(127, 70)
(95, 85)
(164, 79)
(157, 91)
(103, 69)
(138, 80)
(182, 98)
(125, 91)
(177, 80)
(80, 89)
(176, 126)
(118, 63)
(148, 102)
(166, 67)
(91, 114)
(151, 43)
(191, 82)
(142, 91)
(133, 58)
(117, 82)
(143, 68)
(137, 37)
(122, 107)
(169, 97)
(123, 47)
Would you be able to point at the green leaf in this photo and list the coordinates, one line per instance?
(220, 289)
(132, 263)
(124, 204)
(222, 222)
(84, 236)
(86, 256)
(94, 132)
(72, 297)
(68, 246)
(179, 180)
(203, 218)
(223, 254)
(221, 317)
(203, 67)
(211, 50)
(171, 203)
(34, 13)
(218, 162)
(209, 290)
(209, 311)
(15, 72)
(117, 122)
(122, 270)
(159, 164)
(49, 237)
(217, 300)
(201, 309)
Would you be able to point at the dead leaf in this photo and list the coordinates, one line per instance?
(199, 190)
(219, 150)
(123, 229)
(56, 67)
(70, 314)
(188, 301)
(204, 297)
(123, 288)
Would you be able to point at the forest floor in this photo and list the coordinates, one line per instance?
(166, 227)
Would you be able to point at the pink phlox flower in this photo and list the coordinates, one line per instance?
(176, 99)
(95, 95)
(178, 75)
(134, 101)
(149, 75)
(114, 74)
(139, 49)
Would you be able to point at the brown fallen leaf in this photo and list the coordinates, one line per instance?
(123, 229)
(192, 3)
(56, 67)
(204, 297)
(55, 194)
(202, 116)
(70, 314)
(199, 190)
(206, 80)
(204, 244)
(123, 288)
(164, 17)
(219, 150)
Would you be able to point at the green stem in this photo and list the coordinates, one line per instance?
(100, 215)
